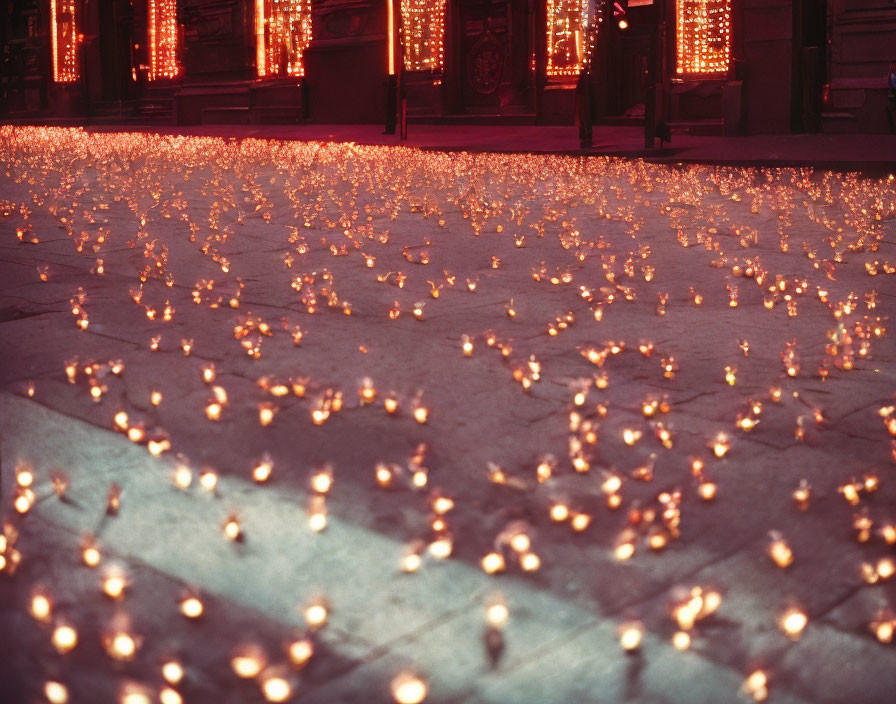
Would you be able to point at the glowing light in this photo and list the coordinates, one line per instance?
(248, 661)
(56, 692)
(423, 34)
(630, 636)
(390, 35)
(90, 553)
(261, 472)
(497, 614)
(792, 622)
(756, 686)
(163, 36)
(167, 695)
(232, 530)
(720, 445)
(114, 583)
(172, 672)
(493, 563)
(300, 651)
(408, 688)
(780, 551)
(41, 607)
(530, 562)
(559, 513)
(208, 480)
(192, 607)
(703, 33)
(322, 481)
(681, 640)
(120, 646)
(567, 35)
(65, 40)
(276, 689)
(441, 548)
(282, 33)
(64, 638)
(316, 615)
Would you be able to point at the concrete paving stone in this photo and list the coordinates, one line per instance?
(149, 611)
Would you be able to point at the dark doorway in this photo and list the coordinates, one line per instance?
(491, 62)
(116, 39)
(628, 53)
(810, 29)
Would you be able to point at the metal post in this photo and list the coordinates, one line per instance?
(404, 118)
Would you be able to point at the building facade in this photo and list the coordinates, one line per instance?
(733, 66)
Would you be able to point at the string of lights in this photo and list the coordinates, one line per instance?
(423, 34)
(703, 33)
(163, 44)
(282, 33)
(64, 36)
(567, 37)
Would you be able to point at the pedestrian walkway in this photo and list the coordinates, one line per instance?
(839, 152)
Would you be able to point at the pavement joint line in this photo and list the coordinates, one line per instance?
(143, 485)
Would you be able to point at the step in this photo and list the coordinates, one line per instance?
(703, 128)
(484, 119)
(274, 114)
(621, 121)
(237, 115)
(839, 122)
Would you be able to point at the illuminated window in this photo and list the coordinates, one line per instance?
(567, 32)
(163, 32)
(282, 33)
(64, 35)
(423, 34)
(704, 36)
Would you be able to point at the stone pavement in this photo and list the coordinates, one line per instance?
(869, 153)
(677, 380)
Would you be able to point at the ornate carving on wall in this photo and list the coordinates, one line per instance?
(207, 19)
(485, 64)
(337, 19)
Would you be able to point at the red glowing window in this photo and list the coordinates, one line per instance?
(282, 33)
(423, 34)
(163, 39)
(567, 36)
(64, 37)
(703, 29)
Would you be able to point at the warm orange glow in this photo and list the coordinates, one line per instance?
(64, 37)
(567, 29)
(703, 29)
(282, 33)
(163, 36)
(423, 34)
(390, 34)
(408, 689)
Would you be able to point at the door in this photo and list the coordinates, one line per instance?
(492, 62)
(628, 70)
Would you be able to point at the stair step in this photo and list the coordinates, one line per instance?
(475, 119)
(237, 115)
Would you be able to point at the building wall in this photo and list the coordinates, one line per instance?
(767, 54)
(346, 66)
(863, 43)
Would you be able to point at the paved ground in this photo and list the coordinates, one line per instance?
(629, 321)
(870, 153)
